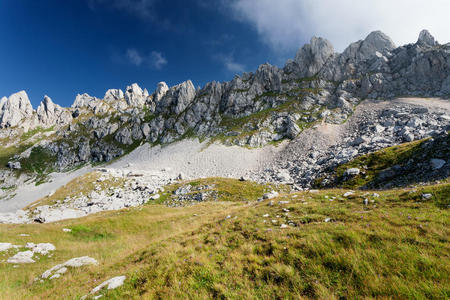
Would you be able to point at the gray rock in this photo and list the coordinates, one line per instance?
(311, 57)
(15, 109)
(24, 257)
(426, 39)
(177, 98)
(351, 172)
(135, 96)
(113, 95)
(436, 163)
(427, 196)
(270, 195)
(47, 111)
(123, 136)
(15, 165)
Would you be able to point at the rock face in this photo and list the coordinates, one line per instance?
(82, 100)
(113, 94)
(426, 39)
(311, 58)
(50, 114)
(176, 98)
(135, 96)
(15, 109)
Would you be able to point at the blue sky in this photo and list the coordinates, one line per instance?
(65, 47)
(62, 48)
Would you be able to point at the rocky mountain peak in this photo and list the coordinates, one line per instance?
(49, 113)
(426, 39)
(311, 57)
(374, 44)
(82, 100)
(177, 98)
(161, 90)
(135, 96)
(380, 41)
(14, 109)
(113, 94)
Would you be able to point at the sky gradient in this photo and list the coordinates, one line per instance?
(64, 47)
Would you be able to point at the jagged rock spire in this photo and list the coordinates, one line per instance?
(113, 94)
(49, 113)
(313, 56)
(135, 96)
(14, 109)
(161, 90)
(426, 39)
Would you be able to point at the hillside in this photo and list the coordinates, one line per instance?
(318, 244)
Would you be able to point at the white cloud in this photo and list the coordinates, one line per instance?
(286, 24)
(134, 57)
(229, 63)
(155, 60)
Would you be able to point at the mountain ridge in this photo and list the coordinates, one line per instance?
(319, 86)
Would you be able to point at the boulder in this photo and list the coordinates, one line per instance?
(24, 257)
(15, 165)
(351, 172)
(436, 163)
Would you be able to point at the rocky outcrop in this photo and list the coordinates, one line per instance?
(176, 99)
(113, 94)
(50, 114)
(135, 96)
(310, 58)
(83, 100)
(15, 110)
(426, 39)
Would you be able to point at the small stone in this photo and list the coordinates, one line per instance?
(155, 197)
(67, 230)
(427, 196)
(351, 172)
(271, 195)
(283, 226)
(436, 163)
(349, 193)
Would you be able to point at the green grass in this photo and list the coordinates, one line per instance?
(373, 163)
(7, 153)
(395, 247)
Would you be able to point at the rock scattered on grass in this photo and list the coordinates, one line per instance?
(110, 284)
(41, 248)
(426, 196)
(270, 195)
(24, 257)
(73, 263)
